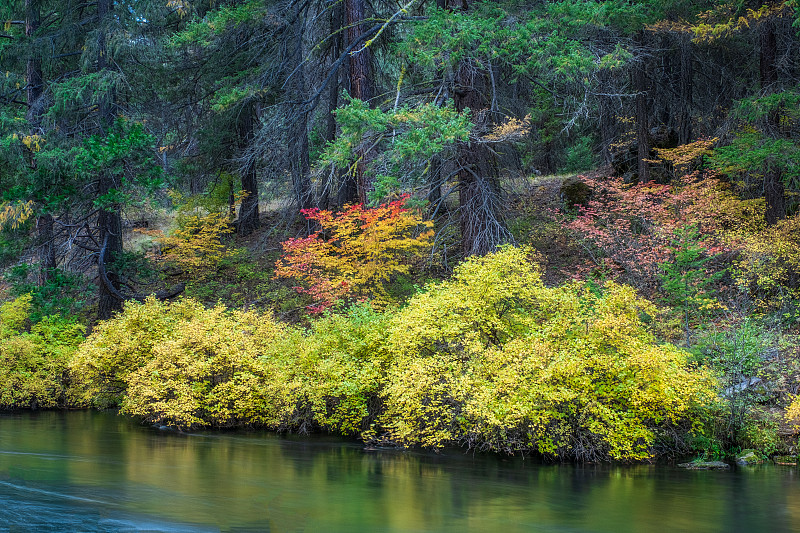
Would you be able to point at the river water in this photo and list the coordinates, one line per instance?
(89, 471)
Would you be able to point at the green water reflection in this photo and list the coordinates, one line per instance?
(99, 472)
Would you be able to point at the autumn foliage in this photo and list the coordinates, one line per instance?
(491, 359)
(364, 249)
(628, 230)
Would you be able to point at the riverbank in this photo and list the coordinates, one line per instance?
(490, 359)
(508, 353)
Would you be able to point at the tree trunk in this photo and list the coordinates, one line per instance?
(435, 179)
(482, 229)
(47, 249)
(298, 134)
(642, 115)
(774, 190)
(360, 73)
(666, 78)
(768, 54)
(775, 196)
(330, 192)
(35, 87)
(608, 123)
(109, 221)
(685, 89)
(249, 219)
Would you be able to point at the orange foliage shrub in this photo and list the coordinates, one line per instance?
(366, 247)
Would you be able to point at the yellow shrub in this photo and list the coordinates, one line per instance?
(494, 359)
(33, 365)
(14, 315)
(185, 365)
(221, 368)
(125, 343)
(769, 265)
(197, 242)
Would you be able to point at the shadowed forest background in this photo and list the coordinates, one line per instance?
(565, 228)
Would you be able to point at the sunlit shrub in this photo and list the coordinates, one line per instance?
(493, 359)
(33, 364)
(185, 365)
(197, 243)
(221, 368)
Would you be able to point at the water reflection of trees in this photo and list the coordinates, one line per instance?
(266, 482)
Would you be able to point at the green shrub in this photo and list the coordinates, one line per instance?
(345, 369)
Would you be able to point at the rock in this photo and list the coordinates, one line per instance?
(748, 457)
(663, 137)
(785, 459)
(705, 465)
(575, 192)
(741, 386)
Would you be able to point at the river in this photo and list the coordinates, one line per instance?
(90, 471)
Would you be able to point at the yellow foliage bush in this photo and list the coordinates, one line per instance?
(197, 244)
(490, 359)
(493, 359)
(792, 415)
(185, 365)
(768, 267)
(33, 365)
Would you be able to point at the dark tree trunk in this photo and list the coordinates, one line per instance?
(667, 77)
(248, 211)
(435, 179)
(330, 192)
(298, 134)
(768, 54)
(685, 89)
(47, 249)
(35, 87)
(109, 221)
(109, 225)
(640, 85)
(774, 190)
(608, 123)
(482, 229)
(360, 73)
(775, 196)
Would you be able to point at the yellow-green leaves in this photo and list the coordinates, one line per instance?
(33, 365)
(490, 359)
(494, 359)
(186, 365)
